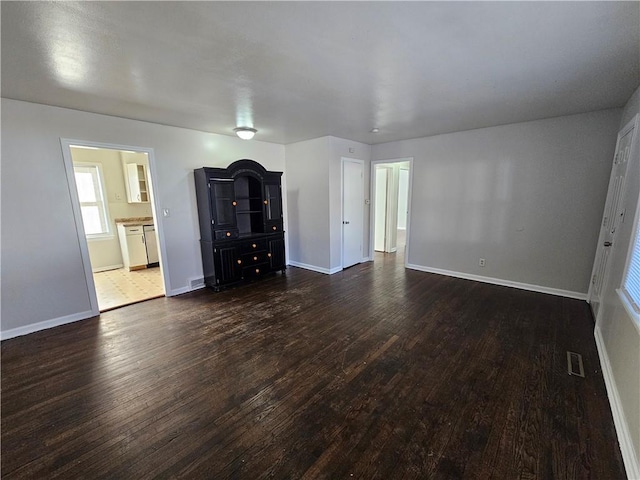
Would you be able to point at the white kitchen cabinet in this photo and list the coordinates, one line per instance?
(137, 183)
(132, 245)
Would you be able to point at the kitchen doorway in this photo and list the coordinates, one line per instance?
(111, 189)
(390, 194)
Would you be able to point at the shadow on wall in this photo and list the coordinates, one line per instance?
(293, 225)
(476, 208)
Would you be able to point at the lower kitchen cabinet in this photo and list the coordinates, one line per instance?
(132, 245)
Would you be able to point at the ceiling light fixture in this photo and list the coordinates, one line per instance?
(375, 130)
(245, 133)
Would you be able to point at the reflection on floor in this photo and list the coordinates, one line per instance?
(401, 241)
(120, 287)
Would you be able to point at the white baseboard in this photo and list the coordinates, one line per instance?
(629, 457)
(108, 267)
(36, 327)
(367, 259)
(181, 290)
(313, 268)
(498, 281)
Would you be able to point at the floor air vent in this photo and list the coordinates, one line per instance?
(574, 364)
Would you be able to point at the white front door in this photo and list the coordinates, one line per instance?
(352, 211)
(613, 215)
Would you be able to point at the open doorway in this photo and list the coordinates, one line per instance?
(116, 219)
(390, 211)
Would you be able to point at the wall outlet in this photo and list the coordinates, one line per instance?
(482, 262)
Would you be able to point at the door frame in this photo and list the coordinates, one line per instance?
(372, 206)
(633, 123)
(66, 144)
(361, 162)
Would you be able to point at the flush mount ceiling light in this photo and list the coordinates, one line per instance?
(375, 130)
(245, 133)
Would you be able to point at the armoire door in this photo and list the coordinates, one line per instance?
(223, 203)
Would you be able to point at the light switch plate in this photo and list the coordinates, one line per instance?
(166, 212)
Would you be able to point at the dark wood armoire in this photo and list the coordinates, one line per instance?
(240, 214)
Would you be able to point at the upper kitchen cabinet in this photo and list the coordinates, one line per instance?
(137, 183)
(136, 179)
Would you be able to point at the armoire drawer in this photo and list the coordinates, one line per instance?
(251, 246)
(254, 258)
(225, 234)
(255, 271)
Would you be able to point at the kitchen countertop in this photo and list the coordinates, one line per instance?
(134, 221)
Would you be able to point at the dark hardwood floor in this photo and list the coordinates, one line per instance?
(375, 372)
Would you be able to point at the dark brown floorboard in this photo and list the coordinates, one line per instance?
(376, 373)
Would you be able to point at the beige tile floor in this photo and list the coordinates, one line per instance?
(116, 288)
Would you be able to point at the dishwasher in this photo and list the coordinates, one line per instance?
(151, 241)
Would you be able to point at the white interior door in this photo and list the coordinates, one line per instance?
(403, 198)
(380, 208)
(613, 215)
(391, 235)
(352, 212)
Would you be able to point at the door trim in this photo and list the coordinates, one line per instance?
(361, 162)
(372, 209)
(65, 144)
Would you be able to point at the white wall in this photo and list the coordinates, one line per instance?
(308, 200)
(42, 272)
(527, 197)
(618, 335)
(106, 252)
(314, 193)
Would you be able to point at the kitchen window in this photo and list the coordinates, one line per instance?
(91, 193)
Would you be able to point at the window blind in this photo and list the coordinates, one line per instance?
(631, 284)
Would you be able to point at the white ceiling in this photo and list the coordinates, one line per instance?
(301, 70)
